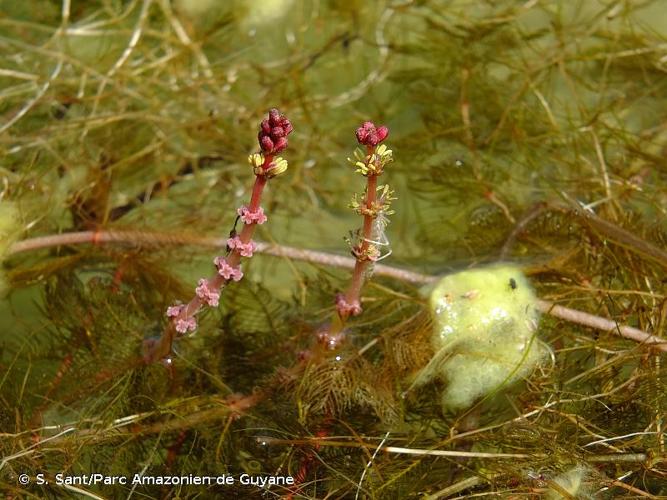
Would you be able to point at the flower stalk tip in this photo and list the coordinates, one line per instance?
(273, 132)
(369, 243)
(272, 137)
(370, 135)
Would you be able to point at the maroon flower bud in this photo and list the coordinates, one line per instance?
(382, 133)
(274, 117)
(280, 144)
(266, 128)
(369, 135)
(266, 144)
(273, 132)
(361, 135)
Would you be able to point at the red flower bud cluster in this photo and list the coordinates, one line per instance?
(368, 135)
(273, 132)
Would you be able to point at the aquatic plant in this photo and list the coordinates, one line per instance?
(272, 139)
(368, 244)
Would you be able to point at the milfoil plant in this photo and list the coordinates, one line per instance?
(182, 317)
(368, 244)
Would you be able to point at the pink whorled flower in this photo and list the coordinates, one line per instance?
(226, 271)
(186, 325)
(175, 310)
(369, 135)
(209, 295)
(345, 308)
(244, 249)
(182, 325)
(248, 217)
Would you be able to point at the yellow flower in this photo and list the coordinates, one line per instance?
(256, 161)
(277, 167)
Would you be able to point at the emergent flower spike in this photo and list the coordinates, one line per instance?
(273, 132)
(369, 135)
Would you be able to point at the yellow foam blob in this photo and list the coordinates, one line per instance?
(484, 333)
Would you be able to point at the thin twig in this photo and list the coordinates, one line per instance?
(535, 211)
(397, 449)
(185, 39)
(598, 323)
(368, 465)
(131, 45)
(159, 239)
(65, 14)
(376, 75)
(33, 447)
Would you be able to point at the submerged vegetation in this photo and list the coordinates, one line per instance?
(526, 132)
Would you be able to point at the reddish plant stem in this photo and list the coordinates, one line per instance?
(353, 293)
(260, 182)
(162, 348)
(350, 302)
